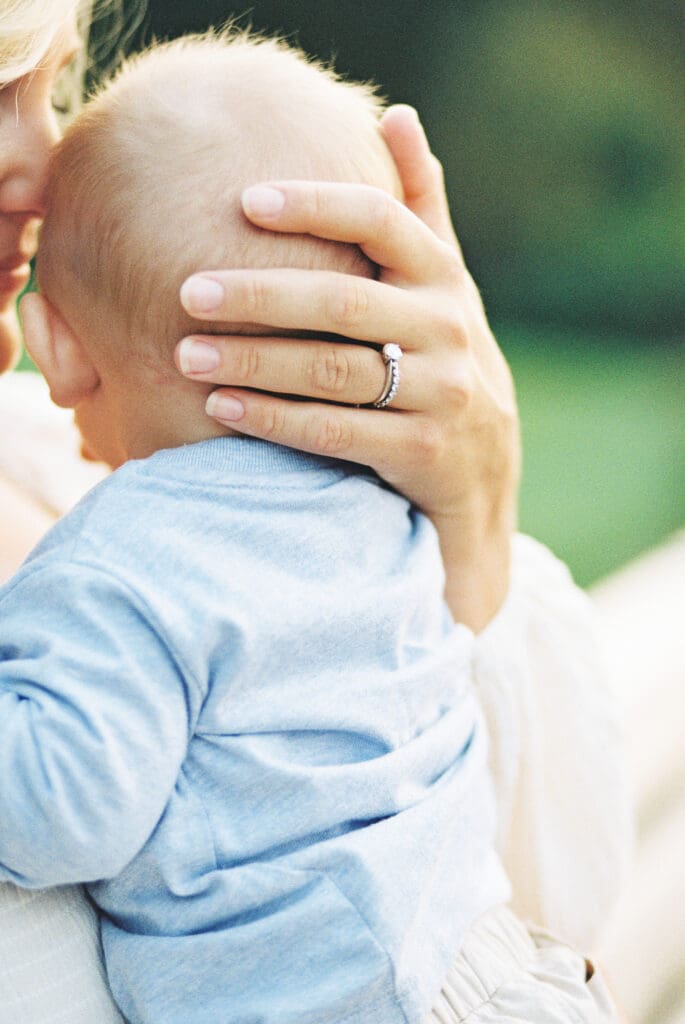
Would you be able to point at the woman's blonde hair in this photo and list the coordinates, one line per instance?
(27, 30)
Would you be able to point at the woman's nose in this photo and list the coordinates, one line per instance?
(25, 149)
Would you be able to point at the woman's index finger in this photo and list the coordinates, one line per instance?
(419, 170)
(383, 228)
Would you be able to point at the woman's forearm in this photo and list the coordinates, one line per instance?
(22, 524)
(477, 563)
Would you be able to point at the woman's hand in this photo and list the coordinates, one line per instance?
(449, 441)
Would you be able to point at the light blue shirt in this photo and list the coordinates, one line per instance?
(233, 701)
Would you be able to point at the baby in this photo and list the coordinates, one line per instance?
(232, 700)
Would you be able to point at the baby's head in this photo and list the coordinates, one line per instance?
(145, 189)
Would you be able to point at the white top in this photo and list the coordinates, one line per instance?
(40, 446)
(564, 823)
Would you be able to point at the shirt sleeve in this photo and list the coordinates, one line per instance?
(95, 716)
(564, 817)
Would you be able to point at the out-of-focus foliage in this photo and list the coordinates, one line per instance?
(569, 160)
(604, 445)
(560, 126)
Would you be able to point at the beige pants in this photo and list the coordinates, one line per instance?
(508, 973)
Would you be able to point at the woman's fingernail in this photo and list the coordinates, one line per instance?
(262, 201)
(197, 356)
(224, 407)
(201, 295)
(410, 111)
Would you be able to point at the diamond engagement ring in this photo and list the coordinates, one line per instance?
(391, 354)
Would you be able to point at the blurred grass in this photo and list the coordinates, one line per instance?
(604, 444)
(25, 362)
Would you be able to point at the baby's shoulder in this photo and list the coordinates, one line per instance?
(110, 526)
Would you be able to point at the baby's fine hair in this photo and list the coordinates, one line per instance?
(145, 186)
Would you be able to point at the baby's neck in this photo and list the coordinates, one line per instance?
(172, 435)
(169, 414)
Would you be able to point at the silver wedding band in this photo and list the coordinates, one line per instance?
(391, 354)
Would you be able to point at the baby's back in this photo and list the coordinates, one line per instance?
(301, 817)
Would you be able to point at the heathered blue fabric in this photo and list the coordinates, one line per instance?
(233, 701)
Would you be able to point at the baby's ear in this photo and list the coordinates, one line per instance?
(57, 352)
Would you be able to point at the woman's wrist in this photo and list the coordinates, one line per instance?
(476, 551)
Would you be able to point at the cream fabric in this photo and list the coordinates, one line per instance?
(39, 445)
(50, 968)
(508, 973)
(565, 822)
(643, 949)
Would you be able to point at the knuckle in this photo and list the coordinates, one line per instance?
(456, 331)
(248, 362)
(455, 269)
(457, 388)
(382, 214)
(348, 305)
(427, 444)
(252, 298)
(330, 371)
(328, 436)
(438, 170)
(319, 205)
(273, 422)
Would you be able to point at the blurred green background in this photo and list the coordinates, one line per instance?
(561, 130)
